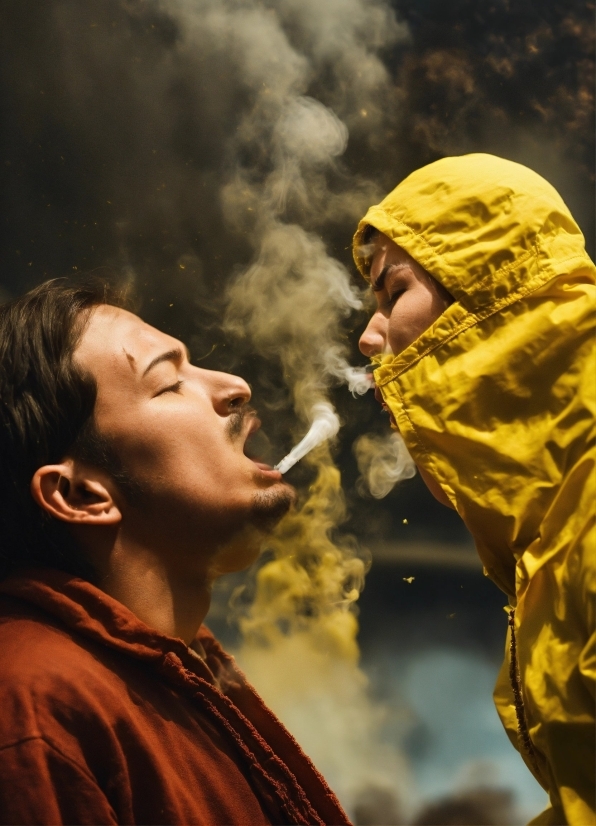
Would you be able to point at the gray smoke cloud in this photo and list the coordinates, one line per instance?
(293, 298)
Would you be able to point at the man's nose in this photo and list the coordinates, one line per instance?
(372, 340)
(229, 392)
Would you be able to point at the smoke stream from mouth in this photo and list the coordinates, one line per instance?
(325, 425)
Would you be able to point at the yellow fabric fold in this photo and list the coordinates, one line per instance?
(497, 401)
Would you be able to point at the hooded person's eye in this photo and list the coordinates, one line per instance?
(393, 297)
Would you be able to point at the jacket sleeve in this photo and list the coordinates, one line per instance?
(39, 785)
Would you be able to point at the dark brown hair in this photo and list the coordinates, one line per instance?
(46, 413)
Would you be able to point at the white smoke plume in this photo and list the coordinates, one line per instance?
(325, 425)
(383, 461)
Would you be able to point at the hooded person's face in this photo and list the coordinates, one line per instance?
(408, 299)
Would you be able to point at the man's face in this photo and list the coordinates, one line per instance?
(179, 432)
(408, 299)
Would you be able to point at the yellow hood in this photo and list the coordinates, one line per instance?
(497, 399)
(494, 399)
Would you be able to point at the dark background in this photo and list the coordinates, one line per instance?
(114, 144)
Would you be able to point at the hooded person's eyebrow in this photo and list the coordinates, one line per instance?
(380, 282)
(176, 354)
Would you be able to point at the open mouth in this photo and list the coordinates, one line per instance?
(255, 445)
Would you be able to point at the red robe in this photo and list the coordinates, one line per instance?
(104, 720)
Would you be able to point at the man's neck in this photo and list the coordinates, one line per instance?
(172, 599)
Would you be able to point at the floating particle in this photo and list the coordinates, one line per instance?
(404, 521)
(450, 616)
(409, 579)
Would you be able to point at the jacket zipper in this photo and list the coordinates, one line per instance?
(518, 699)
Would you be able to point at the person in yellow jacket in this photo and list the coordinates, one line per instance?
(482, 340)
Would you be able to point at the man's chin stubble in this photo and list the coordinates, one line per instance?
(270, 505)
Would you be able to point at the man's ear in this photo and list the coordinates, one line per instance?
(76, 494)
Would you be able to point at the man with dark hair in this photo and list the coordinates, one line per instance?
(125, 492)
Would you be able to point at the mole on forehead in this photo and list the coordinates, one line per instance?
(138, 343)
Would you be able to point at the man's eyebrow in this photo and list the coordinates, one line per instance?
(176, 354)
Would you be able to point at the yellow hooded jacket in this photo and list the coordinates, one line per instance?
(496, 401)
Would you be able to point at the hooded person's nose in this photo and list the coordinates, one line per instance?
(372, 341)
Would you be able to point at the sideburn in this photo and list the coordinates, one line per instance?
(95, 449)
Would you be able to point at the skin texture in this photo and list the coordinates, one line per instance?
(201, 507)
(409, 301)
